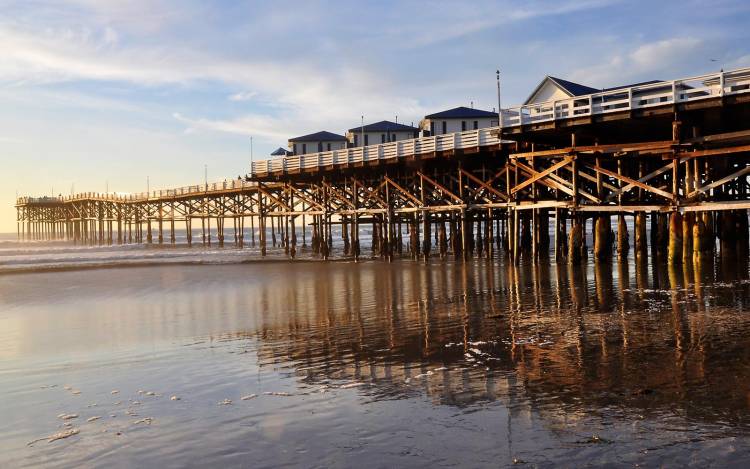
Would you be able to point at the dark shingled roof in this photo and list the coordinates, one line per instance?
(575, 89)
(385, 126)
(461, 112)
(319, 136)
(650, 82)
(280, 152)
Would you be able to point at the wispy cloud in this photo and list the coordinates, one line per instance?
(243, 96)
(266, 127)
(429, 20)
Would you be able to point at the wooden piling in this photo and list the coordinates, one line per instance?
(602, 245)
(641, 242)
(674, 252)
(575, 242)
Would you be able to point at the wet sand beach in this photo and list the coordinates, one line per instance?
(476, 364)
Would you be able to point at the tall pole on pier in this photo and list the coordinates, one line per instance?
(499, 109)
(205, 175)
(362, 131)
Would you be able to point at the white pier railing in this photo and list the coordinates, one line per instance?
(384, 151)
(662, 93)
(198, 189)
(691, 89)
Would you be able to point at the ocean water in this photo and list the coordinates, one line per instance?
(141, 356)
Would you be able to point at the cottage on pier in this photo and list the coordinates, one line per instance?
(459, 119)
(552, 88)
(281, 152)
(380, 132)
(317, 142)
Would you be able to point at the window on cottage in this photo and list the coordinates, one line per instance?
(294, 148)
(304, 148)
(432, 128)
(367, 140)
(393, 138)
(328, 147)
(445, 127)
(320, 146)
(382, 138)
(476, 125)
(356, 140)
(463, 126)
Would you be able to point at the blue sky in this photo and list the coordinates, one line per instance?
(96, 92)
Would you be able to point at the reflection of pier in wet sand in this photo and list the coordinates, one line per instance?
(597, 363)
(557, 340)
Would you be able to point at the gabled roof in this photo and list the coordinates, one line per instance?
(319, 136)
(280, 152)
(577, 89)
(568, 87)
(384, 126)
(461, 112)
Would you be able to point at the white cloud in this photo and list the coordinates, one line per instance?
(243, 96)
(309, 94)
(267, 127)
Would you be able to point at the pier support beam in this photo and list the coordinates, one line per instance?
(575, 242)
(674, 252)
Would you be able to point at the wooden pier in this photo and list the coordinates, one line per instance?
(672, 155)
